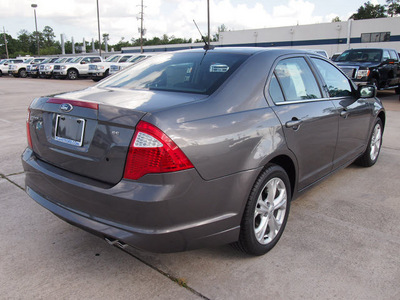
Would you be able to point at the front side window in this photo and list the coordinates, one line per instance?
(124, 58)
(386, 55)
(337, 84)
(195, 72)
(296, 79)
(393, 55)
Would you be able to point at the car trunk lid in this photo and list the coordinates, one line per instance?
(80, 134)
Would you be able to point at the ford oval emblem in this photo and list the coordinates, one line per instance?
(66, 107)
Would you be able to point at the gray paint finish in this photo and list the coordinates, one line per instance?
(229, 137)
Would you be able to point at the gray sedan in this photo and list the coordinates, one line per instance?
(198, 148)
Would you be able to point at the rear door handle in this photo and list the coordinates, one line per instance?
(294, 123)
(344, 114)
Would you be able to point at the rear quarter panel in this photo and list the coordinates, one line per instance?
(231, 131)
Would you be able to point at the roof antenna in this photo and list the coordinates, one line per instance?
(208, 45)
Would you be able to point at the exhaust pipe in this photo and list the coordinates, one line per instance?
(116, 243)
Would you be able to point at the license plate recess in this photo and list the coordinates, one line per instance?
(69, 130)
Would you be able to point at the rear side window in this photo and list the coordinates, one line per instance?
(275, 90)
(337, 84)
(296, 81)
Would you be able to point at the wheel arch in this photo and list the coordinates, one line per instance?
(382, 116)
(288, 165)
(73, 68)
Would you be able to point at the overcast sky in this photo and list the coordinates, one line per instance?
(78, 18)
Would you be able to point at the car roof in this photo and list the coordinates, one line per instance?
(247, 50)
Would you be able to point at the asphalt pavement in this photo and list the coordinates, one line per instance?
(342, 239)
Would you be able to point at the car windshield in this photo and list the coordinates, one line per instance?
(112, 58)
(76, 59)
(136, 58)
(195, 72)
(27, 61)
(46, 61)
(60, 60)
(2, 61)
(361, 55)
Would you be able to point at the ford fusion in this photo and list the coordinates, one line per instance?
(198, 148)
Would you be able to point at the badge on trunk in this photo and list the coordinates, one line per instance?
(66, 107)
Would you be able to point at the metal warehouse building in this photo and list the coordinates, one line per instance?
(331, 37)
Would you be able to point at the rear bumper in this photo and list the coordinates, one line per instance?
(161, 213)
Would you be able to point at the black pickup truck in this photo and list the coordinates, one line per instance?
(377, 66)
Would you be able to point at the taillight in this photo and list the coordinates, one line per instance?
(152, 151)
(28, 131)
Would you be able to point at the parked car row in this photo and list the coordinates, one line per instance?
(68, 67)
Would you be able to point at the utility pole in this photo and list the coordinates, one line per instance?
(141, 27)
(5, 41)
(37, 33)
(208, 21)
(98, 26)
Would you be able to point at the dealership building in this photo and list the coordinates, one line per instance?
(332, 37)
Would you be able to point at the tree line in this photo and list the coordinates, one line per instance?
(26, 42)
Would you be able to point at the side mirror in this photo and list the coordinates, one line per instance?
(83, 62)
(6, 64)
(367, 91)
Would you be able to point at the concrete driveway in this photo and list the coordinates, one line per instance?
(342, 239)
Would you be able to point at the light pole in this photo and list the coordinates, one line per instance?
(98, 26)
(37, 33)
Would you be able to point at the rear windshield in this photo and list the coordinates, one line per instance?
(196, 72)
(361, 55)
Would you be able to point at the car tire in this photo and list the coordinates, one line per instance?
(267, 207)
(1, 73)
(371, 154)
(397, 90)
(22, 73)
(72, 74)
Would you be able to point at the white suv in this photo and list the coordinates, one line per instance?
(77, 67)
(114, 68)
(19, 69)
(4, 65)
(102, 70)
(46, 70)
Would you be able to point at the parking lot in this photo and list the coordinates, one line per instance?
(342, 239)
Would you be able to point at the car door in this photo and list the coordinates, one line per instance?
(386, 69)
(309, 119)
(355, 113)
(396, 67)
(84, 65)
